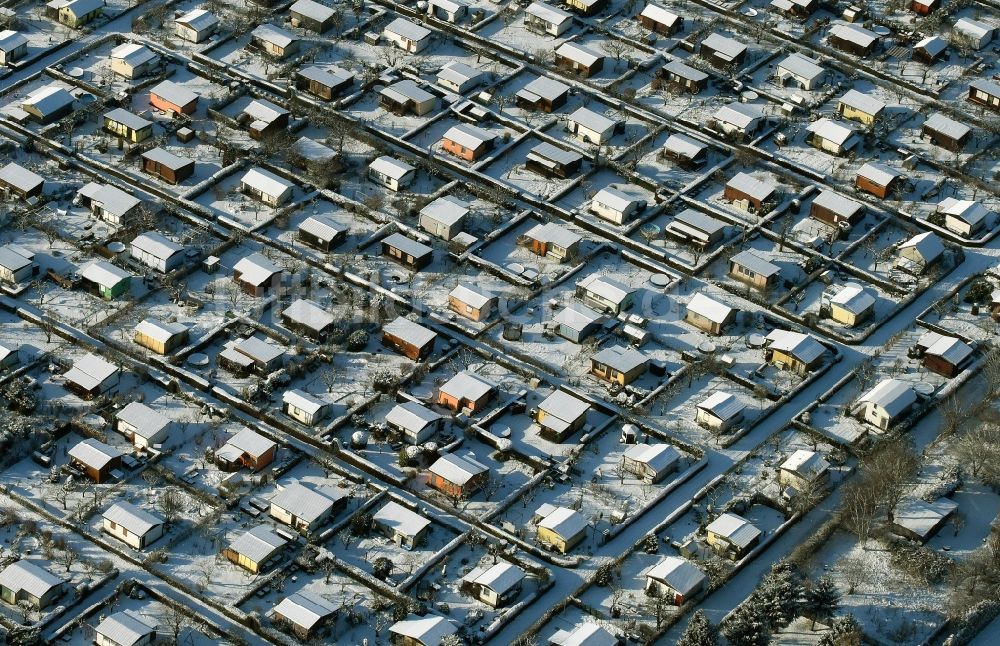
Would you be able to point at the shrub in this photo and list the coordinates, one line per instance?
(357, 341)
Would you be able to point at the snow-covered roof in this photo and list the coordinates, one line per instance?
(737, 530)
(135, 520)
(111, 198)
(724, 47)
(548, 13)
(854, 34)
(806, 464)
(564, 522)
(303, 401)
(391, 167)
(986, 85)
(407, 90)
(658, 457)
(19, 177)
(273, 34)
(257, 349)
(854, 299)
(709, 308)
(469, 136)
(308, 313)
(332, 76)
(133, 54)
(543, 87)
(90, 371)
(409, 331)
(306, 502)
(801, 346)
(952, 350)
(411, 416)
(685, 71)
(841, 206)
(564, 406)
(547, 151)
(175, 93)
(975, 29)
(723, 405)
(157, 245)
(471, 295)
(695, 224)
(591, 120)
(198, 19)
(877, 173)
(83, 7)
(659, 14)
(739, 115)
(467, 385)
(167, 159)
(458, 73)
(605, 287)
(400, 519)
(578, 53)
(683, 145)
(678, 573)
(920, 516)
(555, 233)
(429, 630)
(323, 227)
(801, 66)
(928, 245)
(263, 110)
(408, 30)
(258, 543)
(837, 132)
(313, 10)
(94, 453)
(864, 102)
(621, 358)
(500, 577)
(751, 186)
(266, 182)
(11, 258)
(49, 99)
(125, 628)
(250, 442)
(158, 330)
(457, 469)
(586, 634)
(577, 316)
(256, 269)
(408, 246)
(755, 263)
(11, 40)
(946, 126)
(305, 608)
(147, 422)
(451, 6)
(447, 210)
(971, 212)
(893, 395)
(615, 199)
(933, 45)
(30, 577)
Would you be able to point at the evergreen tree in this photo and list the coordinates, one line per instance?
(822, 600)
(699, 631)
(845, 631)
(780, 594)
(745, 626)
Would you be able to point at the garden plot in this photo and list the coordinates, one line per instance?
(505, 250)
(431, 138)
(596, 483)
(447, 589)
(884, 599)
(967, 313)
(809, 301)
(692, 108)
(359, 228)
(633, 130)
(181, 512)
(579, 370)
(153, 613)
(226, 198)
(908, 135)
(580, 198)
(713, 193)
(367, 109)
(11, 102)
(242, 385)
(879, 251)
(765, 78)
(619, 56)
(505, 101)
(509, 169)
(240, 54)
(793, 269)
(675, 409)
(317, 476)
(651, 164)
(356, 616)
(42, 34)
(513, 33)
(652, 233)
(29, 340)
(77, 307)
(198, 562)
(362, 551)
(94, 68)
(573, 615)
